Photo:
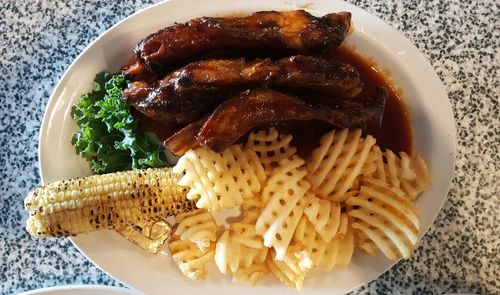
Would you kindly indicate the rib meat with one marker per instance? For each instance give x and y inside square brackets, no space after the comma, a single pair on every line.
[235,117]
[186,94]
[184,139]
[264,33]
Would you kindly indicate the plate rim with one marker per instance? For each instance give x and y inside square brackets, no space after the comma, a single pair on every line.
[430,70]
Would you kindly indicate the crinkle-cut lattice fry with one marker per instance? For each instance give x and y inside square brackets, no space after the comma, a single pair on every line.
[408,173]
[251,275]
[189,258]
[422,181]
[232,255]
[283,196]
[362,241]
[318,250]
[309,240]
[220,180]
[335,164]
[271,147]
[325,216]
[386,216]
[292,269]
[198,227]
[244,233]
[338,252]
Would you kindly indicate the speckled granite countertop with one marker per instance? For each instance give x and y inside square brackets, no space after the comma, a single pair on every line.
[39,39]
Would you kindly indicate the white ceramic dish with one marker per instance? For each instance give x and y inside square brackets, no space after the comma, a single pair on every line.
[424,94]
[81,290]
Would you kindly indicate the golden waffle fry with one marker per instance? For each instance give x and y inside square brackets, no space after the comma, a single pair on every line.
[197,226]
[148,235]
[386,216]
[362,241]
[226,253]
[324,215]
[271,147]
[231,255]
[222,180]
[240,246]
[190,259]
[309,240]
[251,275]
[422,180]
[338,253]
[319,251]
[335,164]
[292,269]
[244,233]
[405,172]
[283,191]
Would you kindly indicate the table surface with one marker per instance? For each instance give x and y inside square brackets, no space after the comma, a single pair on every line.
[460,253]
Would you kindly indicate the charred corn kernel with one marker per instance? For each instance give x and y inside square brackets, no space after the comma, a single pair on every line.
[85,204]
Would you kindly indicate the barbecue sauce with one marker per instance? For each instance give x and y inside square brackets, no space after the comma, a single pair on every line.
[395,132]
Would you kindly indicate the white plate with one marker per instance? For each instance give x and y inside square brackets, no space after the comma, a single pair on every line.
[426,99]
[81,290]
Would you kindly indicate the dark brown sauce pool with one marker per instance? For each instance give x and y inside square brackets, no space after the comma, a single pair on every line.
[395,132]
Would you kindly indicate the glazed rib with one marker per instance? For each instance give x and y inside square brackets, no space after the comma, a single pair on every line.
[184,139]
[185,94]
[238,115]
[264,33]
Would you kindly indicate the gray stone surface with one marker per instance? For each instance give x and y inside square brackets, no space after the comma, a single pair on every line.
[460,253]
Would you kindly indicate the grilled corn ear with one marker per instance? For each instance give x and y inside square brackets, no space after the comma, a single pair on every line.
[106,201]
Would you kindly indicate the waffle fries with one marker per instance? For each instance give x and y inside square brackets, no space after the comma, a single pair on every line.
[198,227]
[271,147]
[190,259]
[220,180]
[337,162]
[298,214]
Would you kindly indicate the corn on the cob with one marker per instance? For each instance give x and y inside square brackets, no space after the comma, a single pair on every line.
[80,205]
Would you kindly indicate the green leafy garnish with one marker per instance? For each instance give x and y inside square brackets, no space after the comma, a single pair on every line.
[109,138]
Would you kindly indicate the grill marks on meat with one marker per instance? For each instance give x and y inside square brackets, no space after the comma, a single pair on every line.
[265,33]
[186,94]
[233,96]
[238,115]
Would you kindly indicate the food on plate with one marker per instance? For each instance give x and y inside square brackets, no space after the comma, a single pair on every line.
[106,201]
[197,226]
[292,269]
[325,216]
[314,152]
[387,217]
[338,161]
[108,135]
[238,115]
[220,180]
[301,229]
[271,147]
[184,139]
[283,198]
[268,33]
[149,235]
[405,172]
[186,94]
[190,259]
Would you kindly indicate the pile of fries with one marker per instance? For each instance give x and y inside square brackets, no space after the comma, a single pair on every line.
[297,213]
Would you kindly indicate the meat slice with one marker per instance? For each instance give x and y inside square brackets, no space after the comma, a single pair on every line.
[264,33]
[184,139]
[235,117]
[186,94]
